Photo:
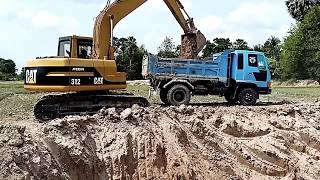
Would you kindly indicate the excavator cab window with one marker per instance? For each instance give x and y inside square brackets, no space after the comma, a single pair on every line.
[84,49]
[64,48]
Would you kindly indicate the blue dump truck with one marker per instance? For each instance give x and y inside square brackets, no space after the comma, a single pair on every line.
[238,75]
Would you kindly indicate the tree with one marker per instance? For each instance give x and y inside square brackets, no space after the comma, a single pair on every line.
[272,48]
[221,44]
[299,8]
[258,47]
[22,74]
[129,56]
[300,57]
[178,51]
[7,69]
[240,44]
[217,45]
[168,49]
[208,50]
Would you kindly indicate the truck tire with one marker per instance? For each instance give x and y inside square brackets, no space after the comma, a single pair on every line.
[164,96]
[248,97]
[179,94]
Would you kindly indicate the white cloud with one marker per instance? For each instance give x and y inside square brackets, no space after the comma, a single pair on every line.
[264,15]
[254,22]
[187,4]
[44,19]
[210,23]
[40,19]
[5,7]
[159,5]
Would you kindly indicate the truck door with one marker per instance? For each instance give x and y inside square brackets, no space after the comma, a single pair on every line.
[257,68]
[239,72]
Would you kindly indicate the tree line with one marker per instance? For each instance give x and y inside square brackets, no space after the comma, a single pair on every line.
[297,56]
[7,69]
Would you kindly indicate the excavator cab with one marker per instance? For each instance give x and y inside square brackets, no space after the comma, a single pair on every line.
[75,47]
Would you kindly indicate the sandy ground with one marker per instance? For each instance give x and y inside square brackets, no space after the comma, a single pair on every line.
[186,142]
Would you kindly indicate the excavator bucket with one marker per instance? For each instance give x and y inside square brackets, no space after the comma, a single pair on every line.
[201,41]
[192,44]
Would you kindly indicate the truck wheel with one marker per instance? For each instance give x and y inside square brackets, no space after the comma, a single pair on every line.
[163,96]
[248,97]
[179,94]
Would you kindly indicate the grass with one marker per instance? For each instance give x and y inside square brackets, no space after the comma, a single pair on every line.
[299,91]
[297,94]
[18,103]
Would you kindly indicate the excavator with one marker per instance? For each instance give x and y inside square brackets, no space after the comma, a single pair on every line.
[84,76]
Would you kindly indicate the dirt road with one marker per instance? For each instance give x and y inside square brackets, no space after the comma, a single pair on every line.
[186,142]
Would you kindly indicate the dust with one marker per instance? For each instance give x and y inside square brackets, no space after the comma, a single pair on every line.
[186,142]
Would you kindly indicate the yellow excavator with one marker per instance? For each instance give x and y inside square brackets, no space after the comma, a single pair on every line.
[85,68]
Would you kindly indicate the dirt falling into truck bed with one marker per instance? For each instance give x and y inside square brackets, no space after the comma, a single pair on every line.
[186,142]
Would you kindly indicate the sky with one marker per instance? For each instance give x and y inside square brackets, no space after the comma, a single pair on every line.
[31,28]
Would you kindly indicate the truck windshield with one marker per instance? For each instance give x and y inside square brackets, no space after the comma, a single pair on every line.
[262,65]
[64,48]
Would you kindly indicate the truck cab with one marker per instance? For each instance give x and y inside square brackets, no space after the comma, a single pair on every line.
[251,67]
[249,71]
[238,75]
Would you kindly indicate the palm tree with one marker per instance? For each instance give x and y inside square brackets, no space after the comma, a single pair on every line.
[299,8]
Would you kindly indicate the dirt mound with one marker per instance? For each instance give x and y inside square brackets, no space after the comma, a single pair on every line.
[267,142]
[298,83]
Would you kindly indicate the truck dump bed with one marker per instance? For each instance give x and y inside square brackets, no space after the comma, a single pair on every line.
[214,68]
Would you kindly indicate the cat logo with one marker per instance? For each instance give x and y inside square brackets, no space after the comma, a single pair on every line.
[31,76]
[98,80]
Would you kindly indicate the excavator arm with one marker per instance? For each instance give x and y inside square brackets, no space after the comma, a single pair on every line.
[177,10]
[192,41]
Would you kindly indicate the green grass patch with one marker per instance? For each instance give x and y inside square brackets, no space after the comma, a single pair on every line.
[296,94]
[299,91]
[11,87]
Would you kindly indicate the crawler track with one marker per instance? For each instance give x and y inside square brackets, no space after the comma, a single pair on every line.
[58,106]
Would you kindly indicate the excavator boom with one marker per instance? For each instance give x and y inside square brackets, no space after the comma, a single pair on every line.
[192,41]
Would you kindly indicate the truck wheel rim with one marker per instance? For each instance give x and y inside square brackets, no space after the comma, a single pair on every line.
[179,96]
[248,97]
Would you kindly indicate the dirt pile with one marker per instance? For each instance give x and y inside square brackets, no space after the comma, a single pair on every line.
[298,83]
[267,142]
